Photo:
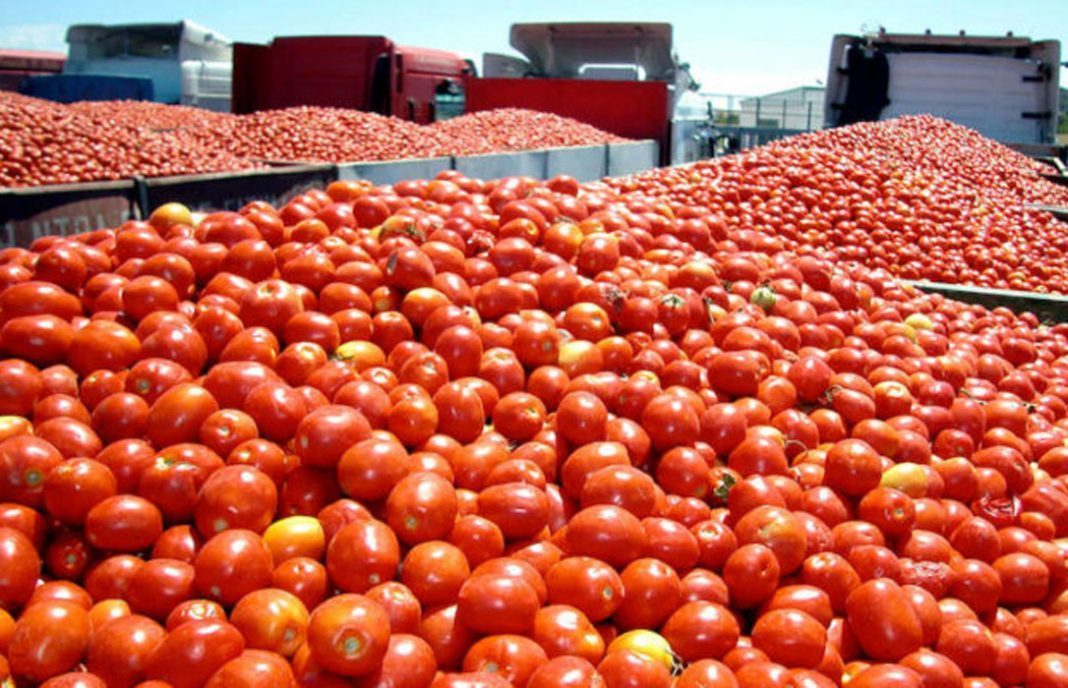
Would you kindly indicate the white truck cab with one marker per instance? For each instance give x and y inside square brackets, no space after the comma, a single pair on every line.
[187,63]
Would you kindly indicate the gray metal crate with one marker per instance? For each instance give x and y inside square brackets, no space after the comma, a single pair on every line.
[497,165]
[631,157]
[393,171]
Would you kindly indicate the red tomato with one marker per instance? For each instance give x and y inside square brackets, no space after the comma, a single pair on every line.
[26,462]
[701,630]
[349,635]
[751,573]
[565,672]
[652,593]
[271,619]
[103,345]
[513,657]
[193,651]
[123,523]
[790,637]
[20,566]
[706,673]
[178,414]
[50,638]
[232,564]
[434,572]
[361,555]
[623,669]
[885,624]
[253,667]
[490,603]
[420,507]
[119,651]
[606,532]
[409,661]
[235,497]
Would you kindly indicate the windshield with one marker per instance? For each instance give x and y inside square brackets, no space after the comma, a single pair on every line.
[148,41]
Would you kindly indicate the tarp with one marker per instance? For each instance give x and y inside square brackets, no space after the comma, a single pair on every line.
[71,88]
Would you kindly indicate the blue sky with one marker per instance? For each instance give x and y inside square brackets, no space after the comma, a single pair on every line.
[735,46]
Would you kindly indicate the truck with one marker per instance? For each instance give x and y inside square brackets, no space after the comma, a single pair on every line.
[1005,87]
[17,65]
[623,77]
[369,73]
[178,63]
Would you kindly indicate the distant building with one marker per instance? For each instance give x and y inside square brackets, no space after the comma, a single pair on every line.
[798,109]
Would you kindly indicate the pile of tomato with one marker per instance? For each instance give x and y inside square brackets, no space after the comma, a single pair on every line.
[321,134]
[45,143]
[48,143]
[159,116]
[516,129]
[919,196]
[465,434]
[334,135]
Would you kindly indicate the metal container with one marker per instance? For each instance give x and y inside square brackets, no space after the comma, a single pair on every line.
[393,171]
[584,163]
[497,165]
[628,158]
[27,214]
[232,190]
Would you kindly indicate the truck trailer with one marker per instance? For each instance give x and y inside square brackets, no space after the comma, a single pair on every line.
[1005,87]
[622,77]
[370,73]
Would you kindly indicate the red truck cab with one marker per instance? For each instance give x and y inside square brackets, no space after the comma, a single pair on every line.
[369,73]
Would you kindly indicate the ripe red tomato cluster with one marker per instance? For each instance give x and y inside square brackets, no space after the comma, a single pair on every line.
[325,134]
[47,143]
[455,433]
[140,113]
[335,135]
[514,129]
[918,196]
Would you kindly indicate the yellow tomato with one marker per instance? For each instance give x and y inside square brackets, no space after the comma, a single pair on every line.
[910,478]
[107,610]
[919,321]
[295,536]
[647,643]
[12,426]
[362,355]
[170,214]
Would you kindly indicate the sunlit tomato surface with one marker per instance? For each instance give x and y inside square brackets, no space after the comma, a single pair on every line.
[683,428]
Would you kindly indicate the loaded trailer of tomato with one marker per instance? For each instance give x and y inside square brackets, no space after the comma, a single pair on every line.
[644,432]
[1005,87]
[105,162]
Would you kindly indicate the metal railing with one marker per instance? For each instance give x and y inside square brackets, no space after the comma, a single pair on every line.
[768,112]
[741,122]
